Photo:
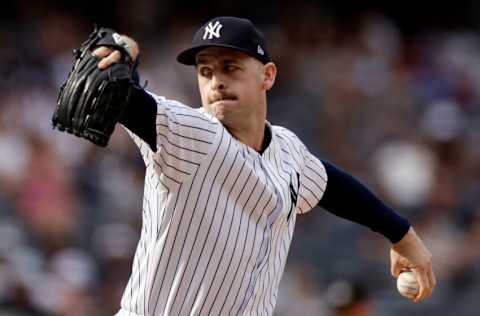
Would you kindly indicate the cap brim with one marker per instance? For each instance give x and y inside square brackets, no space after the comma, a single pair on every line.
[188,56]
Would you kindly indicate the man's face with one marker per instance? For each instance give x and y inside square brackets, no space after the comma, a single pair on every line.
[232,86]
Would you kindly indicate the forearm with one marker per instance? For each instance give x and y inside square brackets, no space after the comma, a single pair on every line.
[140,116]
[348,198]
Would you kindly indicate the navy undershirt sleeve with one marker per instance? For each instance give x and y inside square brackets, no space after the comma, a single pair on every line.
[348,198]
[140,116]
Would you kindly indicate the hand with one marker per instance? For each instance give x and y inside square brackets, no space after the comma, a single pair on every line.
[110,56]
[410,254]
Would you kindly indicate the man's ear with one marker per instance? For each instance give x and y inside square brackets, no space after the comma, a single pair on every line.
[269,74]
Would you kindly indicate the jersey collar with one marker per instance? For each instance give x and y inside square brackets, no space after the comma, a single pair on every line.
[267,137]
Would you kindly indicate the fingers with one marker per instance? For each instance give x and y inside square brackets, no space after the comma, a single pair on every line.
[410,253]
[427,281]
[425,288]
[423,273]
[109,60]
[431,283]
[102,51]
[107,55]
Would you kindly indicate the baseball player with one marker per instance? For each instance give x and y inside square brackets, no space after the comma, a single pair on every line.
[223,187]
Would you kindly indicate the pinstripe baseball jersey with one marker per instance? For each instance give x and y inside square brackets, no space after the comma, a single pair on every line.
[218,217]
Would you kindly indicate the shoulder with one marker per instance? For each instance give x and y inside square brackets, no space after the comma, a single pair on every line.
[291,147]
[286,137]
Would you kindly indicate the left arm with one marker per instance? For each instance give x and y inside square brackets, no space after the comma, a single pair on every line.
[348,198]
[345,195]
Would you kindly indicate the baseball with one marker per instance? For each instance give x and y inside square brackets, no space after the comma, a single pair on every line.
[407,285]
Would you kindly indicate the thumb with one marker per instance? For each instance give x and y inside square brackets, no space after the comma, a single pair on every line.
[395,270]
[395,266]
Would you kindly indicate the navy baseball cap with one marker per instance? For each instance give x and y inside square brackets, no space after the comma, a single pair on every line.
[230,32]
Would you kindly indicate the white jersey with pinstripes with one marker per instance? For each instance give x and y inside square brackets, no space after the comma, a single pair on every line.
[218,217]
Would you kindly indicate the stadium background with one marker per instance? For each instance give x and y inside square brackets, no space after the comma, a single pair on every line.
[390,92]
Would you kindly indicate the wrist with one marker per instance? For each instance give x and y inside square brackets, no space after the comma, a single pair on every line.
[409,237]
[412,247]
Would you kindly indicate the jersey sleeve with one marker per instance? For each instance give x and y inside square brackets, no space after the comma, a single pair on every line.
[309,170]
[184,137]
[313,181]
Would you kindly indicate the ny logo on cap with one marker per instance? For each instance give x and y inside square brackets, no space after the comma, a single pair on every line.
[212,30]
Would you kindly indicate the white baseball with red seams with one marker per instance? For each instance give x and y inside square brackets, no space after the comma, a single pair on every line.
[407,284]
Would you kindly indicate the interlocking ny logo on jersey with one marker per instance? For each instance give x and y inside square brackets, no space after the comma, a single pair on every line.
[293,194]
[212,30]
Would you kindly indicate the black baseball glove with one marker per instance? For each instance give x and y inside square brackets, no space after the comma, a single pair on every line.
[92,100]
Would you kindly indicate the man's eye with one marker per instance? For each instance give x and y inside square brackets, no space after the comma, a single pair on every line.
[205,72]
[230,68]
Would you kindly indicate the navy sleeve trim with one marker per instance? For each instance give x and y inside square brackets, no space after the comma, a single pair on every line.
[140,116]
[348,198]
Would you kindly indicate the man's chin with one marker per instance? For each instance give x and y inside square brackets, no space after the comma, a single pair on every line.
[222,115]
[221,109]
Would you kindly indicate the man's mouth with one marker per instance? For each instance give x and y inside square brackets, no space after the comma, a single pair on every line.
[223,98]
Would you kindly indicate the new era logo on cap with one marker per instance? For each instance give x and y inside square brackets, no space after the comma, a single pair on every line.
[260,50]
[229,32]
[212,30]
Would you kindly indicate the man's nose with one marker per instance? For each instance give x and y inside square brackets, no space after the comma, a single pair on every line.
[218,83]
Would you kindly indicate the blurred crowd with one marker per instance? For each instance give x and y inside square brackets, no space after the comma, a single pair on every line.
[400,112]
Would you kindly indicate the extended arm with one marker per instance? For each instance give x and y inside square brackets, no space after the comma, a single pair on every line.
[348,198]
